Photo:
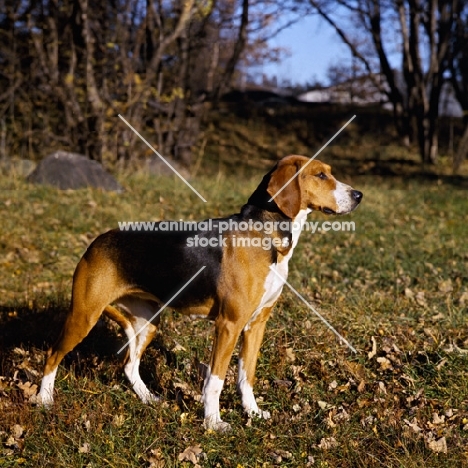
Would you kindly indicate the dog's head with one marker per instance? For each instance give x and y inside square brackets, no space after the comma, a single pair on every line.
[310,185]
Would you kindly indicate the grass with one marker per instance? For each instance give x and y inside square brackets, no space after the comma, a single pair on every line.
[394,288]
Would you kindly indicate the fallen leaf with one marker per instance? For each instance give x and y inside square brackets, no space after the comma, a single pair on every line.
[84,239]
[368,421]
[344,388]
[382,388]
[118,420]
[43,285]
[342,415]
[420,299]
[439,446]
[329,421]
[20,351]
[86,422]
[357,370]
[412,425]
[85,448]
[463,298]
[441,363]
[11,442]
[290,356]
[178,347]
[449,413]
[29,256]
[282,383]
[327,443]
[17,431]
[29,389]
[297,372]
[191,454]
[324,405]
[445,286]
[279,455]
[385,363]
[156,459]
[372,353]
[436,419]
[187,390]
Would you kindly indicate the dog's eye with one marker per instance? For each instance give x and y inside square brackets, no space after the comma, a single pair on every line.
[321,175]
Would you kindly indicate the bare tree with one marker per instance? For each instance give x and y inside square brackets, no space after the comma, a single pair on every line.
[423,28]
[69,67]
[76,64]
[458,64]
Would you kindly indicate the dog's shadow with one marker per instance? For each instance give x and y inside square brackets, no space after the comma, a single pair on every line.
[31,329]
[28,326]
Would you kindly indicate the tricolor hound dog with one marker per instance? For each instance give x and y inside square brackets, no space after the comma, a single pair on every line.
[129,275]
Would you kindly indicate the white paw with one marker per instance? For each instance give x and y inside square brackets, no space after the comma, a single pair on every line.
[143,392]
[258,413]
[215,424]
[264,414]
[150,398]
[46,401]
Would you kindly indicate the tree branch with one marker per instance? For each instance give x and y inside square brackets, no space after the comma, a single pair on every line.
[238,49]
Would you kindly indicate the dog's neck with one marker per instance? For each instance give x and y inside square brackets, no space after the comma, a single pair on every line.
[261,198]
[261,208]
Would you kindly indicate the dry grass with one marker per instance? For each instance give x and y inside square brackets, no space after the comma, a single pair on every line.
[396,288]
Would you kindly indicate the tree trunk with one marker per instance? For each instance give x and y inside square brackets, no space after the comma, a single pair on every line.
[432,138]
[424,35]
[462,151]
[236,54]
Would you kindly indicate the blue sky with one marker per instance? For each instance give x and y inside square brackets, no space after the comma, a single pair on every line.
[313,46]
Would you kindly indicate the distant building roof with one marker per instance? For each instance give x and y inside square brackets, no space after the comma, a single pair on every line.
[362,90]
[359,90]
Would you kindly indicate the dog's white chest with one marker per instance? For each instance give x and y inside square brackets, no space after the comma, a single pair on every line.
[278,273]
[274,283]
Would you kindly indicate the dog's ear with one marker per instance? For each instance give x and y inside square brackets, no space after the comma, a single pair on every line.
[289,199]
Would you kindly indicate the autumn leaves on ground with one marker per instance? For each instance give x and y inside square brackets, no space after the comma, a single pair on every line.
[396,288]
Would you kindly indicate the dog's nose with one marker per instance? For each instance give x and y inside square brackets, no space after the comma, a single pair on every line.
[357,195]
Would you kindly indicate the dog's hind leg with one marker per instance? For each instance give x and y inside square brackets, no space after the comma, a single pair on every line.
[140,331]
[88,303]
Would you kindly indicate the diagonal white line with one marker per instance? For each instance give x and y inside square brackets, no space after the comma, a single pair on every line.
[344,340]
[157,154]
[313,157]
[162,308]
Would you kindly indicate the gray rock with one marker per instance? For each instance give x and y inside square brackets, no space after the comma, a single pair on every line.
[73,171]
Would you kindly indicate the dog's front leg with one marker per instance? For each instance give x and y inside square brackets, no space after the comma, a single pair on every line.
[252,337]
[226,334]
